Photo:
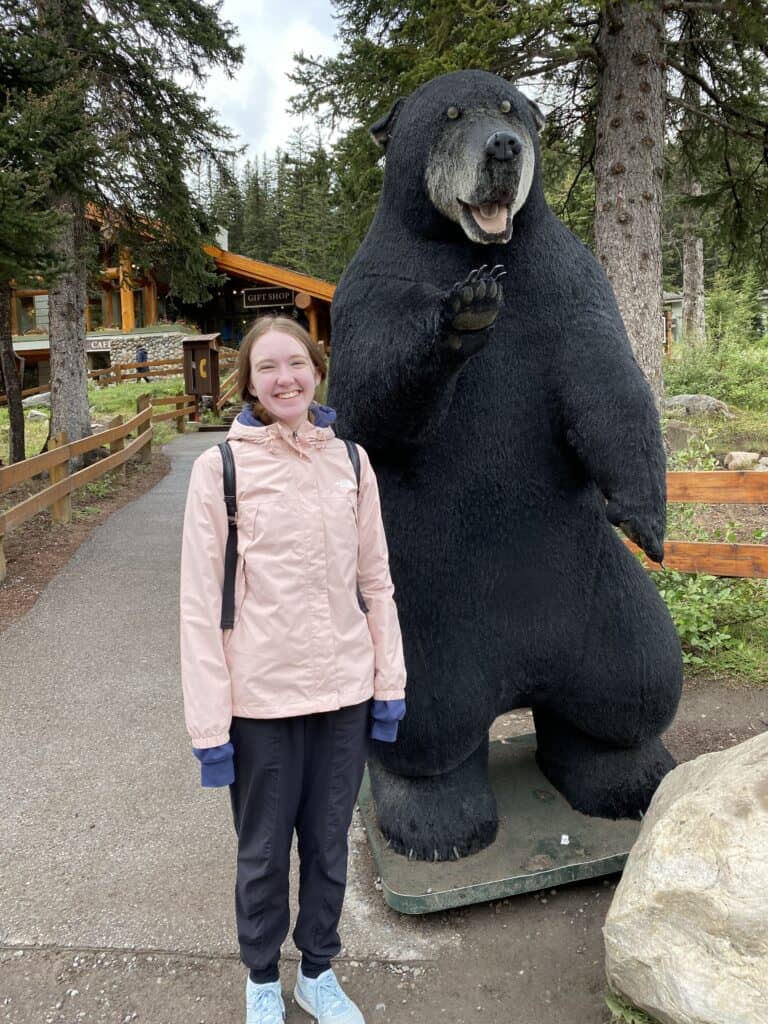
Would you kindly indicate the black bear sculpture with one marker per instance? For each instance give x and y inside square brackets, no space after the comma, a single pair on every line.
[479,356]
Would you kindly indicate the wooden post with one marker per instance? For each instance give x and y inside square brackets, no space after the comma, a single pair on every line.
[118,373]
[127,314]
[150,302]
[312,317]
[61,510]
[3,567]
[180,425]
[117,446]
[106,305]
[143,402]
[14,313]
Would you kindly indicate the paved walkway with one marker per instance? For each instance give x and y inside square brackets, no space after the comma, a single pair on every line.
[110,850]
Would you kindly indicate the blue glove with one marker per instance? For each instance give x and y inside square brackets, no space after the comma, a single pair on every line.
[217,765]
[385,715]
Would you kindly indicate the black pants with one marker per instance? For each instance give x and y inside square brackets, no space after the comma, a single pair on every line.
[299,773]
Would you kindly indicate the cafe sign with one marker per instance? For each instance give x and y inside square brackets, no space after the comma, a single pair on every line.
[258,298]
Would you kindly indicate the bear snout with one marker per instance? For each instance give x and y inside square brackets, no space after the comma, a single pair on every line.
[503,146]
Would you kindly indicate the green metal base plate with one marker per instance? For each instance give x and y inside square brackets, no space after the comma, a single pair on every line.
[542,842]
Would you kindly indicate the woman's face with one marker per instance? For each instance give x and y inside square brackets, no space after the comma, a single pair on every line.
[283,377]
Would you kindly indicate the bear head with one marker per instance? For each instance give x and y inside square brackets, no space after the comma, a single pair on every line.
[468,141]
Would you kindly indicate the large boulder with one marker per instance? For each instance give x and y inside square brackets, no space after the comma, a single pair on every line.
[686,936]
[696,405]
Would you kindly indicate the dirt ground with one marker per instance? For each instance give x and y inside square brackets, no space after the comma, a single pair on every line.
[533,959]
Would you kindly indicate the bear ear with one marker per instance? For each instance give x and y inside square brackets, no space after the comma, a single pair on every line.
[538,117]
[381,131]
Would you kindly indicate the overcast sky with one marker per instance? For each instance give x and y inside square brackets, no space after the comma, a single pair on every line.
[254,103]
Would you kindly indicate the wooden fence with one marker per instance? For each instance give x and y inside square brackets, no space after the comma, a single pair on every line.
[719,487]
[119,373]
[56,461]
[183,405]
[26,393]
[716,488]
[227,391]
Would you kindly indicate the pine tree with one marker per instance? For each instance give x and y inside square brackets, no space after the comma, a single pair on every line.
[28,227]
[138,132]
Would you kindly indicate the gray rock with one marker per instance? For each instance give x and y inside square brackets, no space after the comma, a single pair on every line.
[696,405]
[678,436]
[686,936]
[44,399]
[741,460]
[35,414]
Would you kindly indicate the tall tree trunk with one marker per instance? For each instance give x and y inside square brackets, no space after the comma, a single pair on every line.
[66,329]
[629,172]
[10,376]
[693,244]
[693,271]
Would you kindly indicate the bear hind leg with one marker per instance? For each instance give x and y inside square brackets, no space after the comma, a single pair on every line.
[599,778]
[437,817]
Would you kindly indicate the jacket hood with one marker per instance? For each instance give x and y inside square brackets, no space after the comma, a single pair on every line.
[249,428]
[324,416]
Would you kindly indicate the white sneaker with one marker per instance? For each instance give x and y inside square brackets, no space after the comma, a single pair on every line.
[264,1003]
[324,999]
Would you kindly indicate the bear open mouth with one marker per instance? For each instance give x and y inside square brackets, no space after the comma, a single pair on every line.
[492,216]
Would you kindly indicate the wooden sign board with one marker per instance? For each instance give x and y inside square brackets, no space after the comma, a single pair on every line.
[260,298]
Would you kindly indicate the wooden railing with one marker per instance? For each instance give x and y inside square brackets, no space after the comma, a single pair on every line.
[62,483]
[26,393]
[716,488]
[720,487]
[228,390]
[183,405]
[119,373]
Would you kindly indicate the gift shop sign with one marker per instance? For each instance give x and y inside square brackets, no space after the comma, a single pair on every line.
[257,298]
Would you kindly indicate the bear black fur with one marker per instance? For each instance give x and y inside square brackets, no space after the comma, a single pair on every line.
[510,427]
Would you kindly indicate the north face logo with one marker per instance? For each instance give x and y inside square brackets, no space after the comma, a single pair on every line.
[345,485]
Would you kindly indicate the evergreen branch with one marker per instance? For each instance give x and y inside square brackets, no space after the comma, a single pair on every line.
[719,122]
[691,7]
[718,100]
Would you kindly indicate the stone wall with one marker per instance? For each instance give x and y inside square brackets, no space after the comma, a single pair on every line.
[122,347]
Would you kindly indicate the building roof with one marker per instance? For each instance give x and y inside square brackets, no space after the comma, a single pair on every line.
[255,270]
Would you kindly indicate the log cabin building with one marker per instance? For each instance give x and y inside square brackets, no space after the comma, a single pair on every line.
[128,299]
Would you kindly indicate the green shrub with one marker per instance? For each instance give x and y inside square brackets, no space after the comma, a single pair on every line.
[712,614]
[734,374]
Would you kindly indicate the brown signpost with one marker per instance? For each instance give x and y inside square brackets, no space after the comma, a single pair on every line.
[201,365]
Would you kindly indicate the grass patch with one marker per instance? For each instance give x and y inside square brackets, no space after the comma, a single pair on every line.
[747,431]
[624,1012]
[35,433]
[86,512]
[120,399]
[105,403]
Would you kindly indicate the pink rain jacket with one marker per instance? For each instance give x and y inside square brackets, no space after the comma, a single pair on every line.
[306,540]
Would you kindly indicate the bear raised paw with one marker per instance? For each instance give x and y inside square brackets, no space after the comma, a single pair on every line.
[510,428]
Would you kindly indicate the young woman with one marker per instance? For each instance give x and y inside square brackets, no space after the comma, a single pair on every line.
[280,707]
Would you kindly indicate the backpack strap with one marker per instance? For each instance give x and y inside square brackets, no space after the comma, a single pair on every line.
[354,458]
[230,557]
